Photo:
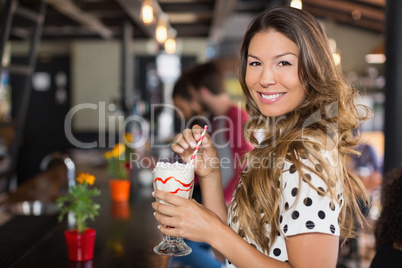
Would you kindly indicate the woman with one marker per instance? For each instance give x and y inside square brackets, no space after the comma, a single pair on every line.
[296,196]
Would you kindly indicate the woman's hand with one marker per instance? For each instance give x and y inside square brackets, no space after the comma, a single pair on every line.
[206,161]
[190,219]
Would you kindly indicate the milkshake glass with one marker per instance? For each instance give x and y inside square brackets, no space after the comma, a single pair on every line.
[177,179]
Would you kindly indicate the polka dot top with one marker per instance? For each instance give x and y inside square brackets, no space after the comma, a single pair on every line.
[302,210]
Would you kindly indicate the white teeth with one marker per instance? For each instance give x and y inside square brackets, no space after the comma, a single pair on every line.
[270,97]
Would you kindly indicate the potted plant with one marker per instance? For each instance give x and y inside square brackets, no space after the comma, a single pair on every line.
[118,167]
[81,240]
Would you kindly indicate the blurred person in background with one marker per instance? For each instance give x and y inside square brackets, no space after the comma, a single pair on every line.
[388,230]
[366,167]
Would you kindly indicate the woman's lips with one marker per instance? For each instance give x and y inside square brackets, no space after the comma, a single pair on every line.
[270,97]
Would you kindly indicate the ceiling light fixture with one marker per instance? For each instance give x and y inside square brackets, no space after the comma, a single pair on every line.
[170,44]
[147,12]
[161,29]
[296,4]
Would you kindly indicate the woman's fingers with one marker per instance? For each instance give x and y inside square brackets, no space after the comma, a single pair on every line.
[189,220]
[189,137]
[206,160]
[192,136]
[169,198]
[185,143]
[180,145]
[165,220]
[169,214]
[197,130]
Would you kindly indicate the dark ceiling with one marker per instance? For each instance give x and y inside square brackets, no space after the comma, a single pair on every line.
[103,19]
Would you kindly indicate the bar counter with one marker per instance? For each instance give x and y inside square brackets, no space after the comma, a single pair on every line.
[125,233]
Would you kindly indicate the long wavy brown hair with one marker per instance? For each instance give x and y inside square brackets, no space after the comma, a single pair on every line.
[324,121]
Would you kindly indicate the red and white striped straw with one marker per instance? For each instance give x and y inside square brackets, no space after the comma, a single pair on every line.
[198,146]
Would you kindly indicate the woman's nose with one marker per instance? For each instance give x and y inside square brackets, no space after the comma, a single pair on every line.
[267,77]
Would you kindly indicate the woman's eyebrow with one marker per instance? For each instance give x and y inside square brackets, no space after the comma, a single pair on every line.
[275,57]
[285,54]
[252,56]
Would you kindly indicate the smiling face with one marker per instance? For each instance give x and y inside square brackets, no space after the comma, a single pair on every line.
[272,73]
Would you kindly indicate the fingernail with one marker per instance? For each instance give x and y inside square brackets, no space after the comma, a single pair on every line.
[185,145]
[197,137]
[159,227]
[193,144]
[154,213]
[180,150]
[153,193]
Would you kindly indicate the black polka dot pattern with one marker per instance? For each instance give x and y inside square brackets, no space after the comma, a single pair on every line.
[308,177]
[321,191]
[305,206]
[310,225]
[292,169]
[277,252]
[295,215]
[321,214]
[294,191]
[307,201]
[318,167]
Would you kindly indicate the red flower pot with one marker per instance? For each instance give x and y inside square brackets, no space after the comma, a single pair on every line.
[119,189]
[80,247]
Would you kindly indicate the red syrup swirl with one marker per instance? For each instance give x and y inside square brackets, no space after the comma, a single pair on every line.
[178,189]
[169,178]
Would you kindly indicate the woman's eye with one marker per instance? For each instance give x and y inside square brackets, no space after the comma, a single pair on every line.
[254,63]
[284,63]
